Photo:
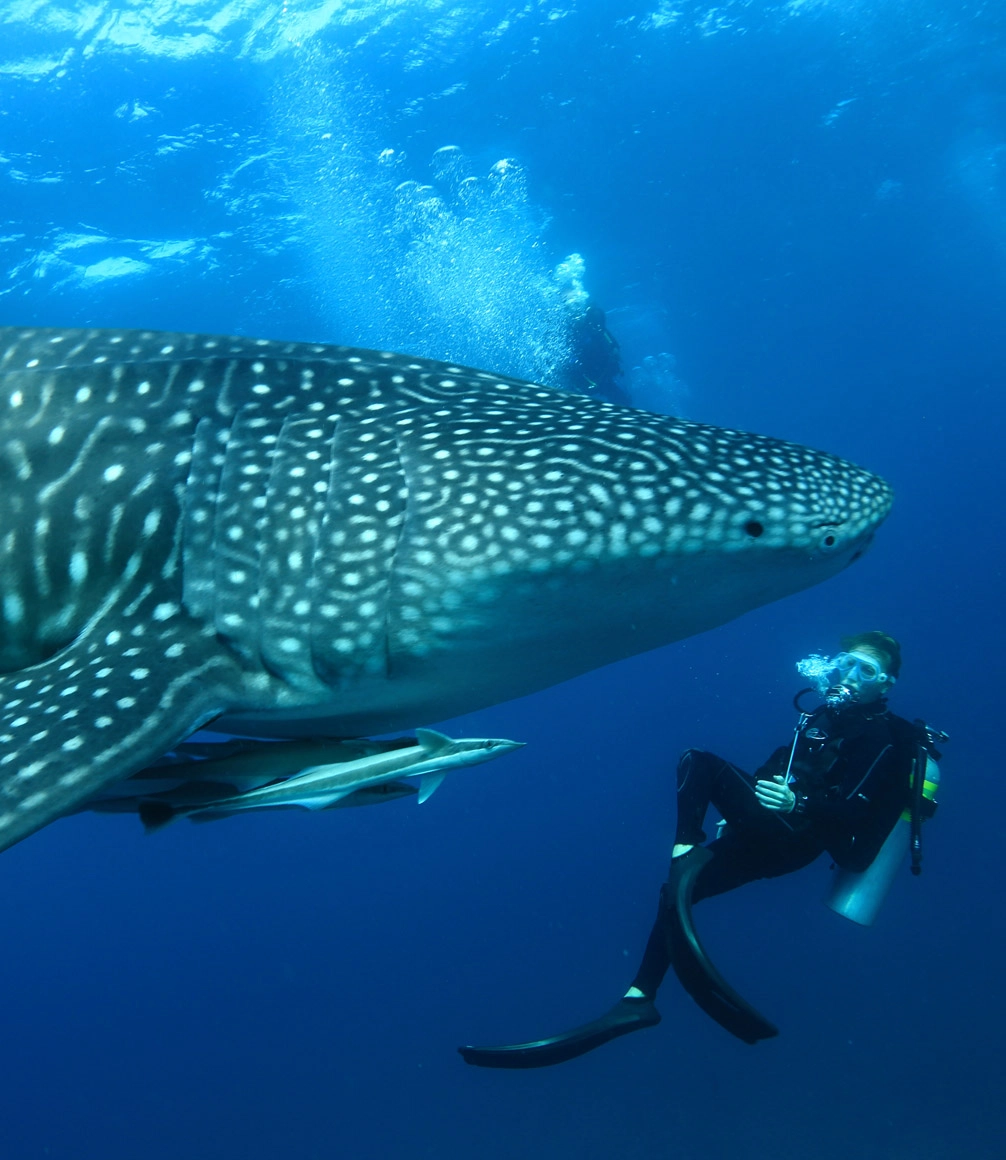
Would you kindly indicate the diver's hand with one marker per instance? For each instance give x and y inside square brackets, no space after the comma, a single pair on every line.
[775,794]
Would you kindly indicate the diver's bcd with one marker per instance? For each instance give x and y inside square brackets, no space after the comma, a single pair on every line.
[859,896]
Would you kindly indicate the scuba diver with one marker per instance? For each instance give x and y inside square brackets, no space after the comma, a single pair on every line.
[855,781]
[595,358]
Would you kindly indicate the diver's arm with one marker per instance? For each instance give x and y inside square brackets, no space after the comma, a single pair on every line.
[771,789]
[775,795]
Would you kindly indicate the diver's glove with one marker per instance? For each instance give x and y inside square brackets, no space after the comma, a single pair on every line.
[775,795]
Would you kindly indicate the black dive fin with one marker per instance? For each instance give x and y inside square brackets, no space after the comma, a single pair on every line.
[627,1015]
[693,966]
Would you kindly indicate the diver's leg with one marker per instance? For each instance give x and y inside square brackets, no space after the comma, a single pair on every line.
[724,865]
[731,866]
[702,779]
[738,861]
[699,777]
[655,962]
[635,1010]
[741,857]
[696,775]
[732,792]
[734,864]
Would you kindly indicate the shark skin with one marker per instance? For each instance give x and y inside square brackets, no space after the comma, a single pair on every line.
[294,539]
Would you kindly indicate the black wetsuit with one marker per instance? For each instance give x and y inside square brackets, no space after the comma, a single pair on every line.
[595,360]
[851,774]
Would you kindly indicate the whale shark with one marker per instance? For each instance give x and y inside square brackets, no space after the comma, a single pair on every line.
[301,540]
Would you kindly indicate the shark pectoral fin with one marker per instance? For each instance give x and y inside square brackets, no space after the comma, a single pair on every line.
[102,708]
[429,783]
[155,815]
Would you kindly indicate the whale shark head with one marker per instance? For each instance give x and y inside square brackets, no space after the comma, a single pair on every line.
[546,534]
[312,539]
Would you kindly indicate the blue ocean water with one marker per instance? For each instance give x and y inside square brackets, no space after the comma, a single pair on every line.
[794,215]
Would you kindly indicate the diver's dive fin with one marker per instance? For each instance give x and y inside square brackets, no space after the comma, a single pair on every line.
[693,966]
[627,1015]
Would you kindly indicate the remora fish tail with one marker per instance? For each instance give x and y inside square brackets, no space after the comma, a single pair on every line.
[318,540]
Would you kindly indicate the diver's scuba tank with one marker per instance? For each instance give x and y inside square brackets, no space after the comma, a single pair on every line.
[859,896]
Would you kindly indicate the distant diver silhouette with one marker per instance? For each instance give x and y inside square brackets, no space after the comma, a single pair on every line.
[594,365]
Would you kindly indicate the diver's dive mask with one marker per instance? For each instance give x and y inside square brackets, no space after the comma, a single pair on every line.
[848,677]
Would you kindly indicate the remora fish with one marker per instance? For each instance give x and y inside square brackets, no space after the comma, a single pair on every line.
[195,773]
[245,763]
[155,811]
[319,788]
[320,540]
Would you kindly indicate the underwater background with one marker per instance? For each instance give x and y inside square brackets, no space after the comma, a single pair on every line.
[794,216]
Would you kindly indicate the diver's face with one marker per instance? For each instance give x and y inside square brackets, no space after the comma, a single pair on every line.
[862,673]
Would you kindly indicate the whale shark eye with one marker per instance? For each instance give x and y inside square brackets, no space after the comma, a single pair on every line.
[754,528]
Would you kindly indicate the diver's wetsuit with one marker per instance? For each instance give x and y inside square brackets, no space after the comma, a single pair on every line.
[851,774]
[595,362]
